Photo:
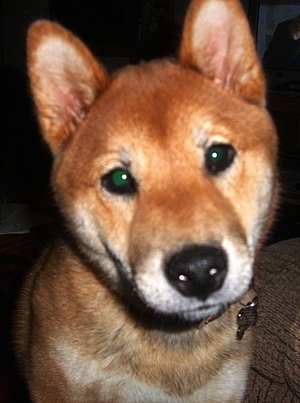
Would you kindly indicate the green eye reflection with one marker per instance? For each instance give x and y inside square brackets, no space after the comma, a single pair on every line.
[120,177]
[216,154]
[219,157]
[119,182]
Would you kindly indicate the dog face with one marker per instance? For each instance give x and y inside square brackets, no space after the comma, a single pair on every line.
[164,171]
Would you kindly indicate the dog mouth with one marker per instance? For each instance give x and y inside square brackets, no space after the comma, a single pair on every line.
[155,318]
[176,310]
[173,311]
[205,313]
[189,310]
[161,300]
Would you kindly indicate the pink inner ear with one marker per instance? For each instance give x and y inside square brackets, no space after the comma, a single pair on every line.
[62,99]
[216,57]
[65,80]
[217,41]
[213,40]
[71,102]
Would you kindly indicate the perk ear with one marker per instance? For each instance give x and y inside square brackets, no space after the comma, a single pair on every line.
[218,42]
[65,80]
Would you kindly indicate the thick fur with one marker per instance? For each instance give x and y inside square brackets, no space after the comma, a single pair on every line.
[98,319]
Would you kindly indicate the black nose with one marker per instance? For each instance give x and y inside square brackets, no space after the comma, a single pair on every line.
[197,270]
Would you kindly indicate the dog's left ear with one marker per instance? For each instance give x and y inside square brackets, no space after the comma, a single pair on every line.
[217,41]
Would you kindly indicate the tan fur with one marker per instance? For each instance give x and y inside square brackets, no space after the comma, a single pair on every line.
[98,320]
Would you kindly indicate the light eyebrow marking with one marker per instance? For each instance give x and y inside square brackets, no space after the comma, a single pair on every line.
[208,134]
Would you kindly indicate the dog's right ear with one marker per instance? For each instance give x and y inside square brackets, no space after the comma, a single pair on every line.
[65,80]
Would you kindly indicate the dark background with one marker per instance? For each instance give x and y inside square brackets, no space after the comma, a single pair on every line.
[118,32]
[115,30]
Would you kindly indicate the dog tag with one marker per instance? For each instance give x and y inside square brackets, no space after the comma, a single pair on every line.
[246,317]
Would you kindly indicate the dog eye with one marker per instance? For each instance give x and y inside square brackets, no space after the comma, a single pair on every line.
[120,182]
[219,157]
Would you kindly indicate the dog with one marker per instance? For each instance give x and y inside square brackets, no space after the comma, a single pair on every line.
[165,174]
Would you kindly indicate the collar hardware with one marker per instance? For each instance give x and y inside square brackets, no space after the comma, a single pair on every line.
[246,317]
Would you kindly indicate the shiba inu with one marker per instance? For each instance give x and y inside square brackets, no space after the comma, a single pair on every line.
[165,173]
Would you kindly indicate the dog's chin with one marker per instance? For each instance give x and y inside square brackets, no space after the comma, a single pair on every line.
[203,313]
[155,315]
[197,315]
[174,322]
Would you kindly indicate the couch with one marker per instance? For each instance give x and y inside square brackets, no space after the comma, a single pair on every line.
[275,371]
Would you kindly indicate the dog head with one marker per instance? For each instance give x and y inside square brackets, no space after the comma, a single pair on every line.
[164,171]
